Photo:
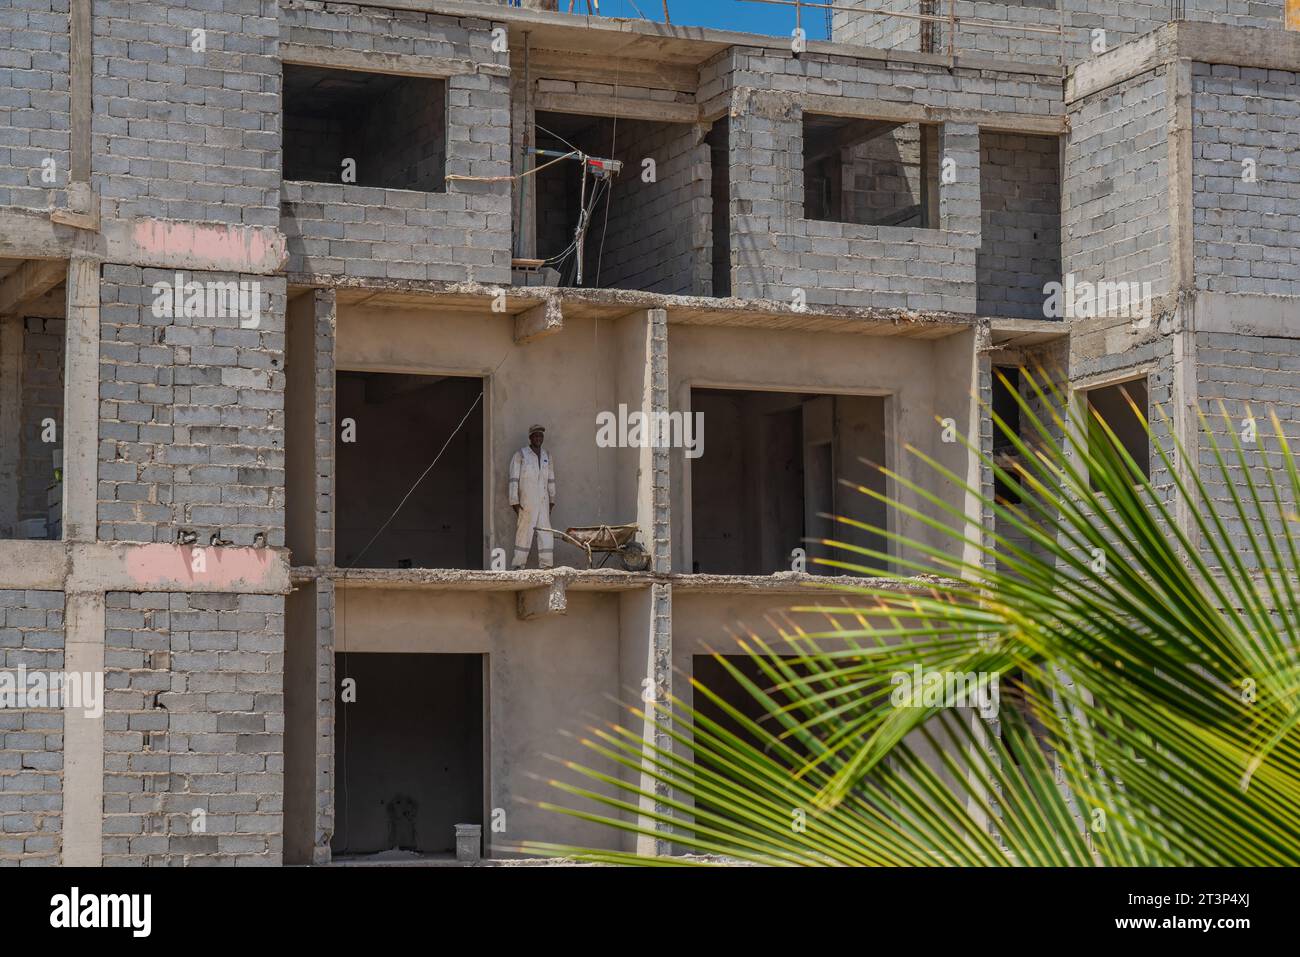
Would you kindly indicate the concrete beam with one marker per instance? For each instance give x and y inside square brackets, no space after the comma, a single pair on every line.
[624,108]
[218,247]
[375,61]
[36,565]
[542,602]
[165,244]
[1271,317]
[1187,40]
[539,321]
[29,282]
[851,107]
[132,566]
[125,566]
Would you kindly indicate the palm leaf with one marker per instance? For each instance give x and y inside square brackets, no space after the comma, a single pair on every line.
[1157,693]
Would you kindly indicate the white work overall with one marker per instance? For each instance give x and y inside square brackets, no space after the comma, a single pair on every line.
[532,488]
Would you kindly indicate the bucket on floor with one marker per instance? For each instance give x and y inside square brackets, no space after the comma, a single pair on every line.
[469,840]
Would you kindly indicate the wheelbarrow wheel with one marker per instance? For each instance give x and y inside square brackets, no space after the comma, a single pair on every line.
[634,557]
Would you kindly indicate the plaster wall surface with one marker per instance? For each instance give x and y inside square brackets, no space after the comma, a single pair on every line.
[561,381]
[547,676]
[920,382]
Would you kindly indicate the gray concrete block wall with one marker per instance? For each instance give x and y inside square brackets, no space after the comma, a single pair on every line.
[194,721]
[191,423]
[878,30]
[1121,20]
[463,234]
[34,102]
[1020,223]
[31,739]
[1245,233]
[366,232]
[182,134]
[1252,376]
[659,235]
[1115,222]
[775,251]
[408,32]
[894,80]
[42,399]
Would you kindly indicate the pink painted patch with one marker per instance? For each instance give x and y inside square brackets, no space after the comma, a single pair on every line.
[160,566]
[220,248]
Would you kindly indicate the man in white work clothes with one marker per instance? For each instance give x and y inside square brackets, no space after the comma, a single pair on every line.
[532,496]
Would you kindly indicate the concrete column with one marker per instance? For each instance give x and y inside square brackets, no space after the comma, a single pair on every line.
[1179,113]
[643,473]
[660,499]
[81,402]
[83,735]
[645,652]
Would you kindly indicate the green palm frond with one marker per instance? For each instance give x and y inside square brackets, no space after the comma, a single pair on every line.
[1149,672]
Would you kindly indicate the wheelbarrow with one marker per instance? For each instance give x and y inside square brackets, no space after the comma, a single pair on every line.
[608,540]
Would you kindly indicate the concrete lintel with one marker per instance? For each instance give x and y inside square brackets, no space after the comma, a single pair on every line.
[808,586]
[538,322]
[1264,49]
[1025,332]
[31,234]
[166,244]
[125,566]
[622,107]
[1127,60]
[375,61]
[36,565]
[1271,317]
[478,579]
[857,108]
[542,602]
[216,247]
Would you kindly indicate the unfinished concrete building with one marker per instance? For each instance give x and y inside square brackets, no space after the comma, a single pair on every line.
[285,283]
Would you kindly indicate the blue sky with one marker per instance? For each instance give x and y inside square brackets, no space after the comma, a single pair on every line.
[723,14]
